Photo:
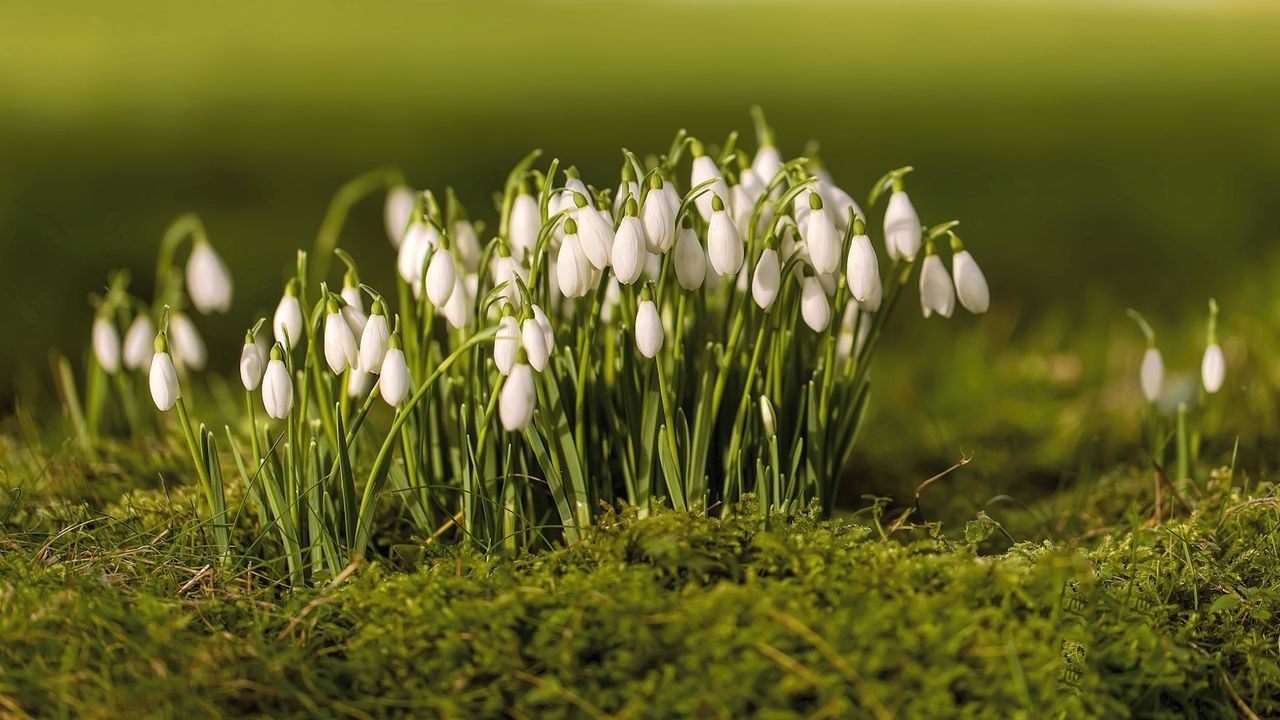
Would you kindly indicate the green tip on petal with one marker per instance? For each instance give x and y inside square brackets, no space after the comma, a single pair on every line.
[160,344]
[248,337]
[632,209]
[695,147]
[717,205]
[628,173]
[579,199]
[378,308]
[655,182]
[570,227]
[394,342]
[859,227]
[332,304]
[815,201]
[956,245]
[646,295]
[277,352]
[291,287]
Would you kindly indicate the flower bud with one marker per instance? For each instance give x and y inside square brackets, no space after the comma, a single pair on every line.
[971,284]
[595,233]
[724,244]
[901,228]
[517,399]
[936,292]
[767,418]
[767,278]
[506,344]
[188,347]
[572,272]
[534,342]
[288,319]
[460,306]
[277,387]
[690,260]
[164,381]
[649,332]
[208,280]
[251,366]
[628,254]
[1213,369]
[396,212]
[373,341]
[704,169]
[545,323]
[1151,374]
[814,307]
[394,380]
[659,218]
[525,223]
[106,344]
[862,269]
[821,237]
[440,276]
[339,342]
[137,343]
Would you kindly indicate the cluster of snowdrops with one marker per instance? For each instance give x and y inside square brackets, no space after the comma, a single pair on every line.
[700,329]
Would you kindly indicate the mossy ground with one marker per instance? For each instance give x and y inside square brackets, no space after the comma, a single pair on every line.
[110,608]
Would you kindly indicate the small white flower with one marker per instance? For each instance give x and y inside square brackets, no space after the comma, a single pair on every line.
[396,211]
[516,403]
[208,281]
[356,320]
[138,341]
[188,346]
[572,266]
[251,366]
[936,292]
[467,245]
[505,272]
[394,380]
[358,383]
[1213,369]
[595,232]
[649,332]
[741,204]
[1151,374]
[659,218]
[628,254]
[767,163]
[506,344]
[767,278]
[534,341]
[106,344]
[724,244]
[373,341]
[690,260]
[525,223]
[814,306]
[339,342]
[767,417]
[838,202]
[459,307]
[277,387]
[862,270]
[351,296]
[704,169]
[288,319]
[971,284]
[440,276]
[901,228]
[418,241]
[545,323]
[821,237]
[164,381]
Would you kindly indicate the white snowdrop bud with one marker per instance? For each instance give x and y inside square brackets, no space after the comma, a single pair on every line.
[571,265]
[467,245]
[649,332]
[418,241]
[1151,374]
[506,344]
[766,163]
[251,365]
[351,293]
[524,225]
[164,378]
[355,319]
[838,203]
[595,232]
[741,203]
[767,278]
[394,380]
[106,344]
[288,318]
[658,217]
[516,403]
[188,347]
[724,244]
[137,343]
[545,323]
[901,227]
[208,280]
[971,284]
[690,260]
[277,386]
[396,211]
[358,382]
[460,306]
[862,269]
[373,341]
[814,307]
[440,276]
[704,169]
[339,342]
[628,254]
[505,272]
[936,292]
[1213,369]
[767,418]
[534,342]
[821,237]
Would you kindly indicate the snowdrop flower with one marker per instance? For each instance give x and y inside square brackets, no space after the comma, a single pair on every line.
[658,217]
[838,204]
[505,272]
[741,203]
[545,323]
[628,253]
[821,237]
[251,365]
[418,241]
[767,161]
[525,223]
[767,417]
[814,307]
[188,347]
[459,307]
[396,212]
[394,380]
[1151,374]
[901,227]
[351,292]
[277,386]
[971,284]
[534,342]
[164,377]
[628,188]
[466,244]
[517,399]
[724,244]
[690,260]
[595,232]
[440,276]
[649,332]
[138,341]
[766,280]
[572,267]
[373,341]
[339,342]
[106,344]
[862,269]
[506,344]
[936,292]
[1213,367]
[208,281]
[286,324]
[704,169]
[358,382]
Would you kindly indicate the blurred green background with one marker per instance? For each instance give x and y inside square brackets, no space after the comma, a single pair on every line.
[1099,155]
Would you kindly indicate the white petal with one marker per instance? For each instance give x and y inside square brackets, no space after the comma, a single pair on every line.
[767,278]
[163,381]
[628,254]
[863,271]
[394,381]
[517,399]
[251,366]
[506,344]
[971,284]
[277,390]
[106,345]
[373,343]
[937,295]
[814,306]
[534,342]
[1151,374]
[901,227]
[649,332]
[690,260]
[1213,369]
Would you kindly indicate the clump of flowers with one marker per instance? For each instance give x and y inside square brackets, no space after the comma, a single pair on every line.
[603,343]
